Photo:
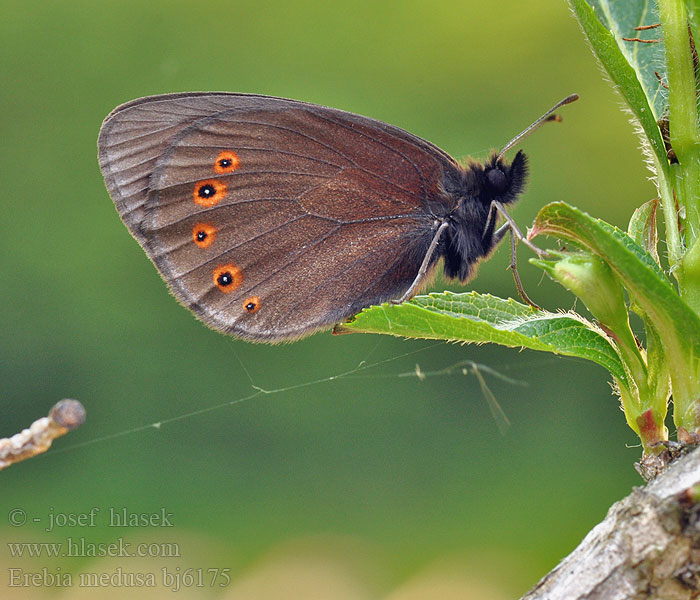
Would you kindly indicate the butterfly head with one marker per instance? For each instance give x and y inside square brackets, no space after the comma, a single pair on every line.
[501,181]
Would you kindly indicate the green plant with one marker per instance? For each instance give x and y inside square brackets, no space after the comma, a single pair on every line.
[613,272]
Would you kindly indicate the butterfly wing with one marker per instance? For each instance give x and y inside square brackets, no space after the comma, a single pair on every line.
[271,218]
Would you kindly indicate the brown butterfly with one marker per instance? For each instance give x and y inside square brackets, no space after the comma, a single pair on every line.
[273,218]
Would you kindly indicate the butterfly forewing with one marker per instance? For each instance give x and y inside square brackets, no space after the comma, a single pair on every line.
[271,218]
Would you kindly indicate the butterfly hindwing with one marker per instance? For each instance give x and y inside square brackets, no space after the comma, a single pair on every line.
[271,218]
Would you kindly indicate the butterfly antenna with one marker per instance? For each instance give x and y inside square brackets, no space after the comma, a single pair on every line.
[548,116]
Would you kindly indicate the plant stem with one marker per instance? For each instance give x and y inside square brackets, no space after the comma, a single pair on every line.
[682,100]
[685,140]
[673,236]
[690,278]
[632,357]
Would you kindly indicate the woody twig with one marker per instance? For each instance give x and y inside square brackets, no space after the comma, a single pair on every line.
[65,416]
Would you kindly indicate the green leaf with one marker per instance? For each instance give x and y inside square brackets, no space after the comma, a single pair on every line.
[481,318]
[593,281]
[646,59]
[622,74]
[678,326]
[658,370]
[616,247]
[642,227]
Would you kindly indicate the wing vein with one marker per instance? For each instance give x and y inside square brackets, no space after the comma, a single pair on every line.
[247,241]
[240,174]
[275,151]
[328,280]
[347,158]
[295,256]
[388,147]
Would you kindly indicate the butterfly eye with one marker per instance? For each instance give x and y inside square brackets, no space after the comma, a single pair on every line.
[227,278]
[252,304]
[208,193]
[203,235]
[226,162]
[497,180]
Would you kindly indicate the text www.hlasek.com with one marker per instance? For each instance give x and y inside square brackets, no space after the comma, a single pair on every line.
[81,548]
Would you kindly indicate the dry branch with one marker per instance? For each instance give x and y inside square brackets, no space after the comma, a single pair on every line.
[647,547]
[63,417]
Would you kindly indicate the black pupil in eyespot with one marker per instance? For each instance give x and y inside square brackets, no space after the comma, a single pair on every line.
[206,191]
[250,306]
[225,279]
[201,236]
[225,162]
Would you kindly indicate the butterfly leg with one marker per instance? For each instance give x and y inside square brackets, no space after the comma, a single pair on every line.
[516,275]
[516,230]
[500,233]
[515,234]
[424,265]
[491,225]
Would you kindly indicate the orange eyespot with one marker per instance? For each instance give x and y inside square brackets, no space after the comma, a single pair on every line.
[226,162]
[227,278]
[251,304]
[204,234]
[208,192]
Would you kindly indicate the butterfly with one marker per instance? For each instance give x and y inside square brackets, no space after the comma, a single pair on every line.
[272,218]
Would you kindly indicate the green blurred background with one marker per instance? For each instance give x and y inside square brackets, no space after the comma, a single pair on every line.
[373,485]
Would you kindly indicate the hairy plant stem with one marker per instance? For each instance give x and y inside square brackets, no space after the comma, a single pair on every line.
[685,140]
